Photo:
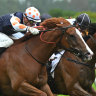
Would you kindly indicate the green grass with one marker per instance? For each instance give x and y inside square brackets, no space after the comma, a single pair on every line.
[94,86]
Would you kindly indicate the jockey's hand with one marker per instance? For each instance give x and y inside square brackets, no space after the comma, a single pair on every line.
[34,31]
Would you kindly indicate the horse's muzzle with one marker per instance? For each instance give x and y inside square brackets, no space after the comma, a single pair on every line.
[86,56]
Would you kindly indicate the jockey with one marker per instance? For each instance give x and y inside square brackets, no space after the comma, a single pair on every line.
[81,22]
[17,22]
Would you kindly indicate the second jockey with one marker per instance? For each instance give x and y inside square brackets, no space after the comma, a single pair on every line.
[82,23]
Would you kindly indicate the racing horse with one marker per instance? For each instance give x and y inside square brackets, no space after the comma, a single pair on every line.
[23,65]
[72,76]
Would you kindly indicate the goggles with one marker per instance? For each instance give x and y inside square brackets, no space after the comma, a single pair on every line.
[30,21]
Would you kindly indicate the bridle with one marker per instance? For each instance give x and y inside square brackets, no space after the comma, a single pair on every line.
[75,51]
[72,50]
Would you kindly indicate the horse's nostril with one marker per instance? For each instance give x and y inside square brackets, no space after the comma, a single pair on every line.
[88,56]
[87,53]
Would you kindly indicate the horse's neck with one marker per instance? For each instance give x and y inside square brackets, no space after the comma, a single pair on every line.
[39,49]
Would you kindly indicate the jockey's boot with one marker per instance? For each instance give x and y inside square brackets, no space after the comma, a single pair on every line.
[2,49]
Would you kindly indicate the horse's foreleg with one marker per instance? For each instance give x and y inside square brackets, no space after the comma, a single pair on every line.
[47,89]
[79,91]
[29,90]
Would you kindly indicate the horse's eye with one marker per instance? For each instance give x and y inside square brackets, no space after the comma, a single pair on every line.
[72,36]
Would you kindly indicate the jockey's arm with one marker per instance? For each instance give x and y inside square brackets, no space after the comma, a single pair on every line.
[15,21]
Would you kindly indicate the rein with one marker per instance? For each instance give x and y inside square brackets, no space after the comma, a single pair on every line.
[26,49]
[75,61]
[44,40]
[63,28]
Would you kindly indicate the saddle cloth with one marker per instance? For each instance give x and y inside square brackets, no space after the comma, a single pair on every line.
[5,41]
[55,60]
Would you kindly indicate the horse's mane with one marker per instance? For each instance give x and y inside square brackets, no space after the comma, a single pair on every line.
[52,22]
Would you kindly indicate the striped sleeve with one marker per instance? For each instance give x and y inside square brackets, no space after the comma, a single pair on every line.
[15,21]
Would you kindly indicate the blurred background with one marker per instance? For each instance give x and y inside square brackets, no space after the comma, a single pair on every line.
[56,8]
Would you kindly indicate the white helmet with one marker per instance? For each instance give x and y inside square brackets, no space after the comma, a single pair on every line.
[32,14]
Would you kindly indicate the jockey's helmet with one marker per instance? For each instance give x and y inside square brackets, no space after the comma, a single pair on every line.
[32,14]
[83,21]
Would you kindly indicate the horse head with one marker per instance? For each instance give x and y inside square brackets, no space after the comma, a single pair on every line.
[68,37]
[23,64]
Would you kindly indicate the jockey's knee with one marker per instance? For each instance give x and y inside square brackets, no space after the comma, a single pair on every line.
[5,41]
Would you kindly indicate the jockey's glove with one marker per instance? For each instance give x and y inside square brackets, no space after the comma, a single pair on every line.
[34,31]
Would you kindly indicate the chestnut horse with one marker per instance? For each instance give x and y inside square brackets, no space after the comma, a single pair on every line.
[72,76]
[23,65]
